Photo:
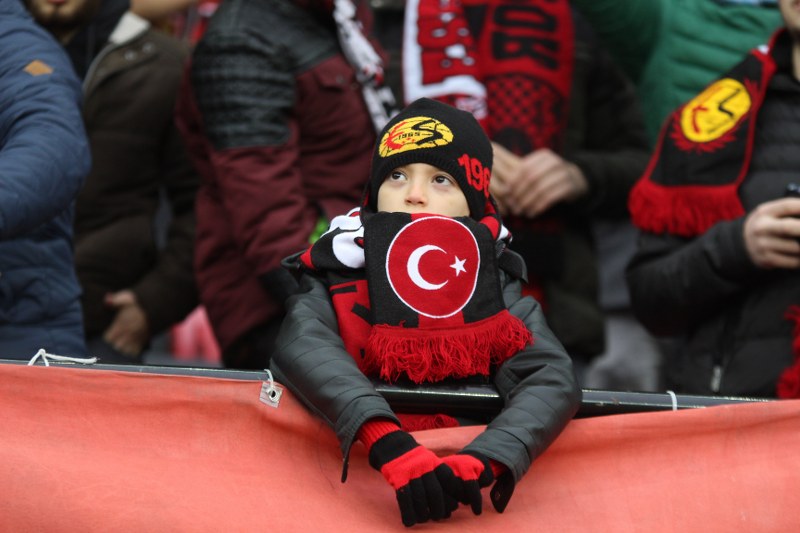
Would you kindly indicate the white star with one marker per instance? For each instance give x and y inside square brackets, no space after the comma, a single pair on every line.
[458,266]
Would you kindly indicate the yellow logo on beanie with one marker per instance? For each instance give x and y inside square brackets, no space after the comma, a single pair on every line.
[715,111]
[413,133]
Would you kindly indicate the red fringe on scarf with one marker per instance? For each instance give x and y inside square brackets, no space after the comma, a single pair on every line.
[789,382]
[449,352]
[412,422]
[686,210]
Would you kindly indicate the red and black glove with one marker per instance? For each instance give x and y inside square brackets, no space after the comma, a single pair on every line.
[424,485]
[474,472]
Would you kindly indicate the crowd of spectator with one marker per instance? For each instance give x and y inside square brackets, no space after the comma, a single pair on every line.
[642,150]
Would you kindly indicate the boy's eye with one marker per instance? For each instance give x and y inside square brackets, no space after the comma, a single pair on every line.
[396,176]
[442,180]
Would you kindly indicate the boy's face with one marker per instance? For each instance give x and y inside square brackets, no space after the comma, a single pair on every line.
[422,188]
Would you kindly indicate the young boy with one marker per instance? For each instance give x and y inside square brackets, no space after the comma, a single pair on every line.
[418,286]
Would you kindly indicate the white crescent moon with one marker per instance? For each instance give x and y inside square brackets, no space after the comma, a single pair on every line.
[413,268]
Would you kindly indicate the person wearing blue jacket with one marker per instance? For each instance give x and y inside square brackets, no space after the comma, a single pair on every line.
[44,156]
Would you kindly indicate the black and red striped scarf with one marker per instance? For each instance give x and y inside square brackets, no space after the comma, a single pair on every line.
[508,62]
[704,152]
[702,158]
[418,296]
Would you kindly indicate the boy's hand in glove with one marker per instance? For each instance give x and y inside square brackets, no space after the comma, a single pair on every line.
[474,472]
[423,483]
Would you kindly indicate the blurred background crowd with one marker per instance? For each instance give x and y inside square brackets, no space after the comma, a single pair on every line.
[644,151]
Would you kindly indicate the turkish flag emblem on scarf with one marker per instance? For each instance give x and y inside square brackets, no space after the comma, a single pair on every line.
[436,301]
[438,278]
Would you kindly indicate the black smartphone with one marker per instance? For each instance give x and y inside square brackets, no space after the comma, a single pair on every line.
[792,191]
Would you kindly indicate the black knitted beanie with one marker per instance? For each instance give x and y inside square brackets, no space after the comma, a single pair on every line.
[428,131]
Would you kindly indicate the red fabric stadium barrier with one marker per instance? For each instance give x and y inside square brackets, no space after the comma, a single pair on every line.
[95,450]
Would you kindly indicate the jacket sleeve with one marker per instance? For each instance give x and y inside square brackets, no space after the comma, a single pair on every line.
[675,282]
[614,151]
[44,153]
[539,389]
[311,360]
[629,28]
[172,278]
[538,384]
[244,88]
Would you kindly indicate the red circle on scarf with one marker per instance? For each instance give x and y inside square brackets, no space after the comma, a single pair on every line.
[432,266]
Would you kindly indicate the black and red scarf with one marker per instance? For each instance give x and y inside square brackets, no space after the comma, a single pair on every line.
[418,296]
[701,159]
[704,152]
[509,63]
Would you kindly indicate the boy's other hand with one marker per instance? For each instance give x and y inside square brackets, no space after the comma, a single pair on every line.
[474,472]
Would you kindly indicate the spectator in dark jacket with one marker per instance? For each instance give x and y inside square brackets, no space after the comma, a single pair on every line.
[719,261]
[44,156]
[278,127]
[134,220]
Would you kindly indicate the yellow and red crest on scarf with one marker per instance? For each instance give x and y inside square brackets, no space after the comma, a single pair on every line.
[715,111]
[414,133]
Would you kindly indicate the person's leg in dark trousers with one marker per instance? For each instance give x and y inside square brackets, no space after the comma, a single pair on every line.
[254,349]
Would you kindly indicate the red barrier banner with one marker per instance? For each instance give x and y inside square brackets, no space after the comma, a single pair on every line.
[97,450]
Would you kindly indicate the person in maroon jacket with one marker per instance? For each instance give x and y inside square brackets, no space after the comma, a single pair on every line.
[280,124]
